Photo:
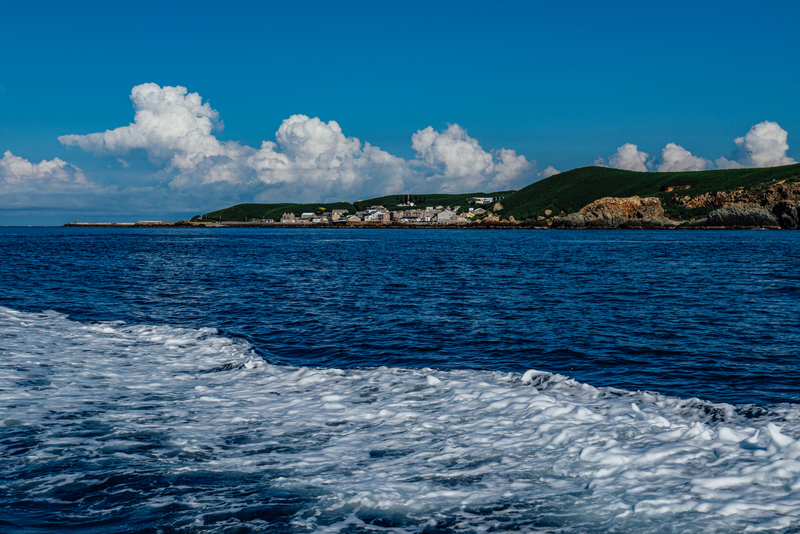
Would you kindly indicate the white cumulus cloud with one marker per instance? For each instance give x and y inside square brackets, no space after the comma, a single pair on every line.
[27,188]
[549,171]
[460,163]
[628,157]
[169,123]
[675,158]
[315,159]
[21,173]
[765,145]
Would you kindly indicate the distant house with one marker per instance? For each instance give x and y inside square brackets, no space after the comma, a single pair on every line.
[378,216]
[338,214]
[288,218]
[481,200]
[445,216]
[308,215]
[353,218]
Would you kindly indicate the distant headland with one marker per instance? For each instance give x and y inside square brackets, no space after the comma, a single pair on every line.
[588,197]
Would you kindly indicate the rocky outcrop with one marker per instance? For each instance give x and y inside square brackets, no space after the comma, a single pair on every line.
[768,197]
[777,206]
[611,212]
[771,207]
[742,215]
[787,213]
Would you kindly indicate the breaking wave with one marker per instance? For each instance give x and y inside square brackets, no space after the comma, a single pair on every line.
[116,427]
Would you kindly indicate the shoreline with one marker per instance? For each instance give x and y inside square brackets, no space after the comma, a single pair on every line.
[383,226]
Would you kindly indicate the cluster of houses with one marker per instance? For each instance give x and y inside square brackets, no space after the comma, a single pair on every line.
[379,214]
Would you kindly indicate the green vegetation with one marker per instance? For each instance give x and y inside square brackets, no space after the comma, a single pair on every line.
[392,202]
[570,191]
[561,194]
[247,212]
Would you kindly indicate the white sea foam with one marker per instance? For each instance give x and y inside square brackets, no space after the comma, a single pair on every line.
[380,448]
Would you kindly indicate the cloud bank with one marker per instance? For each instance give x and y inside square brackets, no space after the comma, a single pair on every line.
[18,174]
[765,145]
[309,160]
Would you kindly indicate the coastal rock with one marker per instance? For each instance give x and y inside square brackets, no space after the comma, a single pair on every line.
[763,197]
[742,216]
[611,212]
[787,213]
[713,200]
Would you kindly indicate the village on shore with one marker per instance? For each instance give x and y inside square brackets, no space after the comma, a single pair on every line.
[480,208]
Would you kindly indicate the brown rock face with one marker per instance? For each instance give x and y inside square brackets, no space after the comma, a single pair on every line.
[610,212]
[766,197]
[771,207]
[676,187]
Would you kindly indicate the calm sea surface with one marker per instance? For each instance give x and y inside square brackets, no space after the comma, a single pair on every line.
[364,380]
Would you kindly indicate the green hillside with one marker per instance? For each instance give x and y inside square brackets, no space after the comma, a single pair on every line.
[246,212]
[566,192]
[392,202]
[570,191]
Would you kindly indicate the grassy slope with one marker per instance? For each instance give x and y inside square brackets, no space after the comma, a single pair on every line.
[572,190]
[272,211]
[391,202]
[567,192]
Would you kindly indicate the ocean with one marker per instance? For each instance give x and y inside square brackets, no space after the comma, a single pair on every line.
[408,381]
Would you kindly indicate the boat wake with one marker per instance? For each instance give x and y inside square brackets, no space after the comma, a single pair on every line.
[119,427]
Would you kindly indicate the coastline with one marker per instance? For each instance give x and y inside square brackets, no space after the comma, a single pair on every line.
[391,226]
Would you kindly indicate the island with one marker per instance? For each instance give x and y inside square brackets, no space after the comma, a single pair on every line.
[584,198]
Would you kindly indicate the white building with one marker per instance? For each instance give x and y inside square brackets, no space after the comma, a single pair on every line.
[445,216]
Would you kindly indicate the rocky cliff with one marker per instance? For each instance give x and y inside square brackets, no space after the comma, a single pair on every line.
[611,212]
[777,206]
[768,197]
[741,215]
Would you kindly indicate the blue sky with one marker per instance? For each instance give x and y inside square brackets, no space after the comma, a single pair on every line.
[529,86]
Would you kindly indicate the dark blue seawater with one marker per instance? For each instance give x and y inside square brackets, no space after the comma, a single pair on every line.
[714,315]
[241,380]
